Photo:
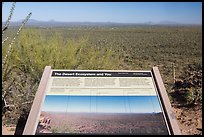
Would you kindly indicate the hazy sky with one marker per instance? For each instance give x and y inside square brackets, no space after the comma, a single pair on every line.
[124,12]
[102,104]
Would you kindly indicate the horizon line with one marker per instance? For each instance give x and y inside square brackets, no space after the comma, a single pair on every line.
[114,22]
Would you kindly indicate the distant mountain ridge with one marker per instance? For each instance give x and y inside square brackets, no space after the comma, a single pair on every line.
[53,23]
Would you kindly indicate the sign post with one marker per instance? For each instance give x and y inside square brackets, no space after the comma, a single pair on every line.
[101,102]
[166,102]
[37,103]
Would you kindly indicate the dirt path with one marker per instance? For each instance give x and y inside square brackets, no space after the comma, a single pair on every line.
[189,120]
[8,130]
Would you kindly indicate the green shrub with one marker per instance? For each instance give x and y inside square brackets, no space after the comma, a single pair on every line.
[189,88]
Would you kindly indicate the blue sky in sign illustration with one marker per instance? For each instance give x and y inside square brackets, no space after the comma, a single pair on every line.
[120,12]
[101,104]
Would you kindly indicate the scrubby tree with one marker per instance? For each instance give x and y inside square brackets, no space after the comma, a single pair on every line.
[9,94]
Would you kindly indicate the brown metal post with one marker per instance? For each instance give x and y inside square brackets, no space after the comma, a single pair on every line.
[32,122]
[171,119]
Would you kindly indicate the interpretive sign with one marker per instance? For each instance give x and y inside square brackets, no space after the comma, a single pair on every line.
[101,102]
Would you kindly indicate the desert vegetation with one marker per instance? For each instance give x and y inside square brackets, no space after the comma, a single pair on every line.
[130,48]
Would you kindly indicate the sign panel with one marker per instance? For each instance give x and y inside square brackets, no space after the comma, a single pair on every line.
[101,102]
